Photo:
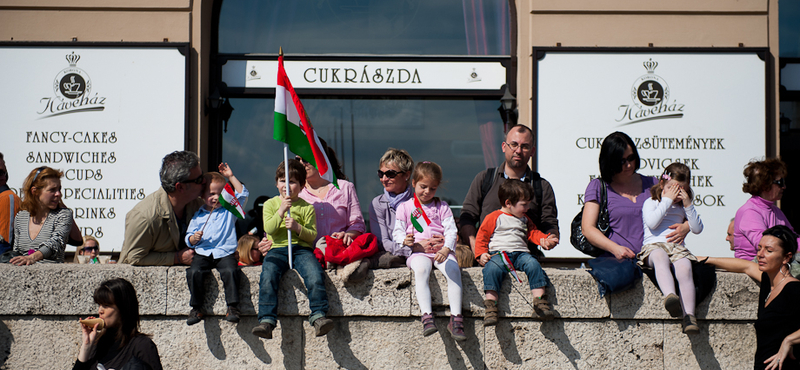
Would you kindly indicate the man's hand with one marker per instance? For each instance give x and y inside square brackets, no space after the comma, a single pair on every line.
[184,256]
[549,242]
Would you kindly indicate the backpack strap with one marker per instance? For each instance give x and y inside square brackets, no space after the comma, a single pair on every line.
[487,183]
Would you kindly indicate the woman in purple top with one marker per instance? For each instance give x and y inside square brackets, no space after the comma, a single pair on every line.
[627,190]
[766,181]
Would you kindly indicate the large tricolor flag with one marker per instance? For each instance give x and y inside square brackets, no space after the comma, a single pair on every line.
[418,217]
[293,127]
[228,201]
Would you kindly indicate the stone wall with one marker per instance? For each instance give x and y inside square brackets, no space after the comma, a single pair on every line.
[377,323]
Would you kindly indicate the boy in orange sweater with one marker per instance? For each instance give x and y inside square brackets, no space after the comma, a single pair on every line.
[503,235]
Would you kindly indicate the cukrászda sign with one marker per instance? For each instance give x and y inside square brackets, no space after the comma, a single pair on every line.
[368,75]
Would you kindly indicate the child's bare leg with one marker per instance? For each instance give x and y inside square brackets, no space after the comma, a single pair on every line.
[491,295]
[538,292]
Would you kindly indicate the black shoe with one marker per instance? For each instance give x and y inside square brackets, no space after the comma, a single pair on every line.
[322,326]
[263,330]
[233,314]
[195,316]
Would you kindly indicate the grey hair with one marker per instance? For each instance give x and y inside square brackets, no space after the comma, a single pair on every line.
[400,158]
[175,167]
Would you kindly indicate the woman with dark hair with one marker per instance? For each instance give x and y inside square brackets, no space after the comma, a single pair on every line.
[626,191]
[116,344]
[42,227]
[777,325]
[766,181]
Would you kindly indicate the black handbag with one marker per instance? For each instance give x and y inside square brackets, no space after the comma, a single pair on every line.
[577,238]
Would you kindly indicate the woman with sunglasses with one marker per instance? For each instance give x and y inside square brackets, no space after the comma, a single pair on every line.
[42,227]
[394,171]
[777,324]
[626,192]
[339,219]
[766,181]
[90,248]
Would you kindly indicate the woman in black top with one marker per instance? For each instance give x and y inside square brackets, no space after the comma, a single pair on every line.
[778,324]
[119,345]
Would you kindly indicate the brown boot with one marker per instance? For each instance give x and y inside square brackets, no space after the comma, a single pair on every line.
[490,318]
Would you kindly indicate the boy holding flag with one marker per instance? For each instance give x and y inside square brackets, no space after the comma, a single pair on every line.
[501,246]
[212,234]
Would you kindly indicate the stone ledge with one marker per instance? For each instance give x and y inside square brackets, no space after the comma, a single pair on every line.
[67,289]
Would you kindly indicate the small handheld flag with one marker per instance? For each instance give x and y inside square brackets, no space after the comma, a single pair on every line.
[418,217]
[509,266]
[227,199]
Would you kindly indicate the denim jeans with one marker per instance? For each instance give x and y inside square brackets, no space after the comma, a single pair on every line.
[495,271]
[276,262]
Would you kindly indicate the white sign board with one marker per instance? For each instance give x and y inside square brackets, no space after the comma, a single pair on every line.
[105,116]
[706,110]
[367,75]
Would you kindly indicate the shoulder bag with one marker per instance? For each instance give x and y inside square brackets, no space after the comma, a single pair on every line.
[577,238]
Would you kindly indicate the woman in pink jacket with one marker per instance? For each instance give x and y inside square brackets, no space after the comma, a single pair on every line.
[766,181]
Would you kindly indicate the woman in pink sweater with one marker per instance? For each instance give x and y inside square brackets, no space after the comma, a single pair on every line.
[766,181]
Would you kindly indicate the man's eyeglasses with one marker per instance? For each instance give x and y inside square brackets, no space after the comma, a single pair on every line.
[630,158]
[197,180]
[525,147]
[390,174]
[781,182]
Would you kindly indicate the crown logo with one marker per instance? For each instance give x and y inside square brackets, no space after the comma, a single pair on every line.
[650,65]
[73,59]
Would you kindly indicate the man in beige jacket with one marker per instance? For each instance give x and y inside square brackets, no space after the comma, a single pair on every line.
[155,227]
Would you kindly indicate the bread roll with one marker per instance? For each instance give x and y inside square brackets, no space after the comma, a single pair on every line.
[91,322]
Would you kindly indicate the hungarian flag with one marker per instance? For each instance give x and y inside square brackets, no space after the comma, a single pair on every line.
[509,266]
[228,201]
[293,127]
[418,217]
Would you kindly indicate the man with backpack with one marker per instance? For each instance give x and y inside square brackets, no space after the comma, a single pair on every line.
[482,198]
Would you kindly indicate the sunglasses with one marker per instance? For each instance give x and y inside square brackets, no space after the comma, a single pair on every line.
[781,182]
[197,180]
[390,174]
[630,158]
[89,249]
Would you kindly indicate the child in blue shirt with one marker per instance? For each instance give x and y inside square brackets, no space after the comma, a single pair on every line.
[212,234]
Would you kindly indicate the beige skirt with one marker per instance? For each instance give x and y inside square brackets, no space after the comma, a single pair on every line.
[674,251]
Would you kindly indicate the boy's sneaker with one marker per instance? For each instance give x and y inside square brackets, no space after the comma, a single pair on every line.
[428,327]
[490,317]
[673,305]
[456,327]
[263,330]
[542,308]
[690,325]
[195,316]
[233,314]
[322,326]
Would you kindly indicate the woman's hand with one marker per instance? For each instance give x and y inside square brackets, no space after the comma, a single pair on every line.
[26,260]
[677,236]
[442,254]
[435,244]
[347,237]
[776,361]
[89,337]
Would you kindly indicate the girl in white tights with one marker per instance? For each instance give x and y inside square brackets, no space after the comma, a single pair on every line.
[671,203]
